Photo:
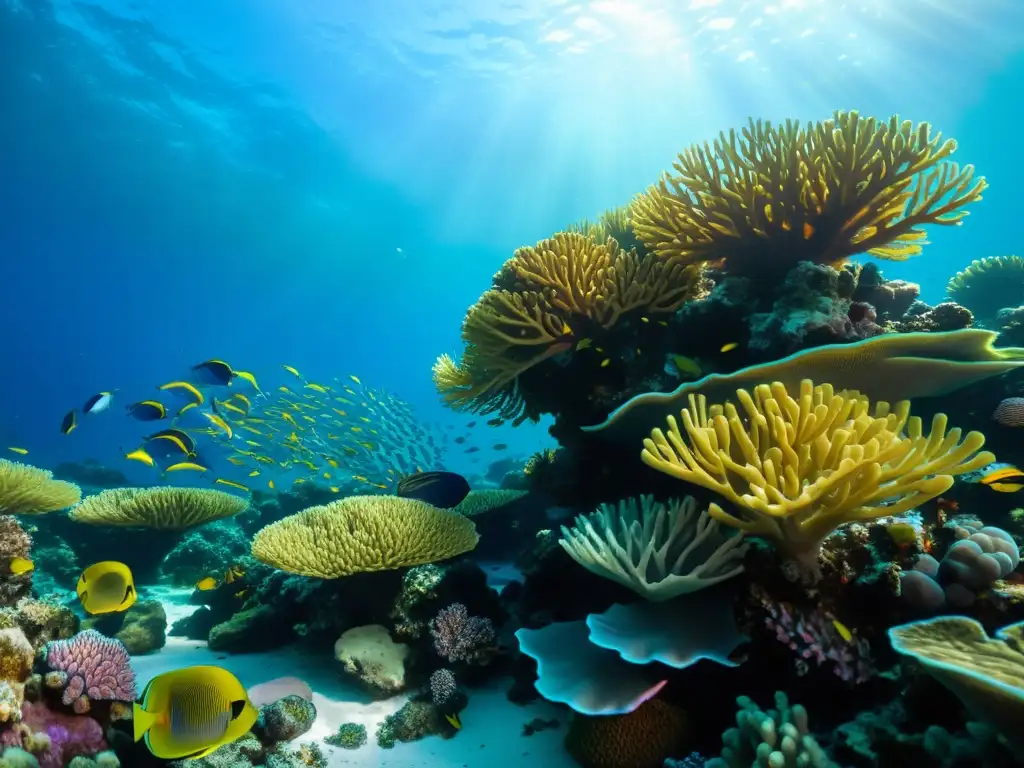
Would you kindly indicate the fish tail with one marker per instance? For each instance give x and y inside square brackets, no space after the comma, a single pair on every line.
[142,720]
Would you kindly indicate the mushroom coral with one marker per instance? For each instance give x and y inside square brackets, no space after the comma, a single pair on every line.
[28,490]
[171,509]
[772,196]
[363,533]
[545,299]
[796,466]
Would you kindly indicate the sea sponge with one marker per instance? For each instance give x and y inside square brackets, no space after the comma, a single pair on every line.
[988,285]
[660,551]
[373,658]
[28,490]
[172,509]
[986,674]
[643,738]
[363,533]
[777,195]
[545,299]
[797,465]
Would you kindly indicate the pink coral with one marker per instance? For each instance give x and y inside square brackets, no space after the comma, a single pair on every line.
[69,735]
[96,667]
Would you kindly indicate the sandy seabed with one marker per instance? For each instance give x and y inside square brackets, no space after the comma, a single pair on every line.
[491,735]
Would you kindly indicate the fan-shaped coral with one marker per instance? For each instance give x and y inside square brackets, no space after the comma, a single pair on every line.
[772,196]
[173,509]
[988,285]
[363,533]
[28,490]
[797,467]
[543,300]
[660,551]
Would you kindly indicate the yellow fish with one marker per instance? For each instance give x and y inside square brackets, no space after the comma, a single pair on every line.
[246,376]
[843,630]
[605,363]
[205,585]
[186,408]
[254,473]
[729,347]
[335,489]
[183,465]
[236,461]
[139,454]
[191,712]
[453,720]
[21,451]
[583,344]
[242,593]
[292,371]
[270,484]
[355,379]
[231,484]
[317,387]
[217,421]
[686,365]
[196,394]
[20,565]
[106,587]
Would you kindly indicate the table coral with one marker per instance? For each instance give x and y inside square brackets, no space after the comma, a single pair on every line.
[88,667]
[28,490]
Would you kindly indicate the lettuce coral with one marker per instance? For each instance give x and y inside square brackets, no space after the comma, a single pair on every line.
[770,196]
[544,300]
[797,465]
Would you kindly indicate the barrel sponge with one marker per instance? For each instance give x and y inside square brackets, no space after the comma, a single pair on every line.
[170,509]
[28,490]
[643,738]
[797,465]
[774,195]
[363,533]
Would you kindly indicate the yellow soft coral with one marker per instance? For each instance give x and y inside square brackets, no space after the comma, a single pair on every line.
[776,195]
[363,533]
[28,490]
[796,468]
[544,299]
[174,509]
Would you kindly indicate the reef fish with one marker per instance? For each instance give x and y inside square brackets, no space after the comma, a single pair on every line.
[98,402]
[213,372]
[147,410]
[206,584]
[441,489]
[20,565]
[191,712]
[1002,477]
[68,423]
[106,587]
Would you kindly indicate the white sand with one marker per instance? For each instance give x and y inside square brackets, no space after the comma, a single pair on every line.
[491,736]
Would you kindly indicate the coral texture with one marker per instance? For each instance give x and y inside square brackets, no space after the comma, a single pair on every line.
[363,533]
[798,465]
[370,655]
[643,738]
[775,195]
[28,490]
[442,687]
[461,637]
[286,719]
[173,509]
[67,735]
[94,667]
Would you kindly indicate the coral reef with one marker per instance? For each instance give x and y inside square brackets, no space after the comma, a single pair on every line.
[644,738]
[373,658]
[414,721]
[170,509]
[89,667]
[285,720]
[14,542]
[987,286]
[141,629]
[461,637]
[203,551]
[348,736]
[28,490]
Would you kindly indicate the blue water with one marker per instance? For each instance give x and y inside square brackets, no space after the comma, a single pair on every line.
[330,184]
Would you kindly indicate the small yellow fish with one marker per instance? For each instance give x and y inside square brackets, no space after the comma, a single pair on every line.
[254,473]
[186,465]
[686,365]
[205,585]
[139,454]
[583,344]
[246,376]
[285,390]
[21,451]
[20,565]
[231,484]
[186,408]
[453,721]
[729,347]
[335,489]
[843,630]
[236,461]
[317,387]
[241,594]
[605,363]
[270,484]
[217,421]
[355,379]
[196,394]
[327,475]
[292,371]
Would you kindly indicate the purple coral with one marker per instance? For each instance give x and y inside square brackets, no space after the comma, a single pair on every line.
[94,667]
[461,637]
[69,735]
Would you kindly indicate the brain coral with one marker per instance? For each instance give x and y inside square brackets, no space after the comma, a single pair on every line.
[174,509]
[363,533]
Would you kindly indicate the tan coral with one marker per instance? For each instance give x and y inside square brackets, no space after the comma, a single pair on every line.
[28,490]
[173,509]
[770,196]
[797,466]
[363,533]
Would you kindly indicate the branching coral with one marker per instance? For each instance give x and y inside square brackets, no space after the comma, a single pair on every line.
[797,467]
[988,285]
[28,490]
[174,509]
[770,196]
[543,300]
[660,551]
[363,533]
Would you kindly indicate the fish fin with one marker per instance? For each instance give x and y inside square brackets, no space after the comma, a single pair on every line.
[237,708]
[142,721]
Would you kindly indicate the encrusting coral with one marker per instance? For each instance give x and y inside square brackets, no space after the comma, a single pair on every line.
[798,465]
[986,286]
[162,508]
[771,196]
[28,490]
[363,533]
[544,300]
[660,551]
